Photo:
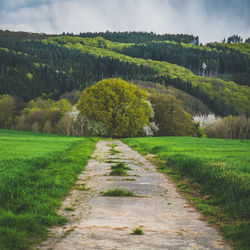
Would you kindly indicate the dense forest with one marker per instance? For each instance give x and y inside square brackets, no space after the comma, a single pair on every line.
[31,68]
[220,60]
[222,97]
[141,37]
[51,66]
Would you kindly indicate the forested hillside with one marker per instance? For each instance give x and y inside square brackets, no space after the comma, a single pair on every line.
[33,65]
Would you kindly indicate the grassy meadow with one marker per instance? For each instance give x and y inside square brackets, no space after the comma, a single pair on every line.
[36,171]
[213,173]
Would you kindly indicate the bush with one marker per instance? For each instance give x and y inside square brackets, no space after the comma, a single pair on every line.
[231,127]
[171,118]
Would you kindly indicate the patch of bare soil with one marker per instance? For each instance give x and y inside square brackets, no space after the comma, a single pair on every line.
[101,222]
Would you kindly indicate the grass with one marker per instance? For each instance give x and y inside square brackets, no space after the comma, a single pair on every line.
[137,231]
[37,170]
[118,192]
[118,172]
[129,179]
[82,187]
[111,161]
[121,165]
[119,169]
[69,209]
[213,173]
[113,151]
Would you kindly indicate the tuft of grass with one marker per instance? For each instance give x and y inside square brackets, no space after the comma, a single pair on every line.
[113,151]
[137,231]
[112,145]
[67,233]
[129,179]
[69,209]
[118,172]
[118,192]
[82,187]
[111,161]
[119,169]
[120,165]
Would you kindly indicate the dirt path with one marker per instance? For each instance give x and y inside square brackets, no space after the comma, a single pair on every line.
[101,222]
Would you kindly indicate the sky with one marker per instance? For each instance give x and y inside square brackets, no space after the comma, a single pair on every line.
[211,20]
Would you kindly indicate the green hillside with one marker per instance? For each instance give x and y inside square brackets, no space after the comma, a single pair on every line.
[34,65]
[223,97]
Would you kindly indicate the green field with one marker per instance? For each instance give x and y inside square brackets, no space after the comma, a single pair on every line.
[221,171]
[36,171]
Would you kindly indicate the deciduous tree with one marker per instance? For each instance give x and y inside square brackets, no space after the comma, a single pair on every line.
[171,118]
[121,107]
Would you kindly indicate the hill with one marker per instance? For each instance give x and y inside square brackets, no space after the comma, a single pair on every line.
[33,65]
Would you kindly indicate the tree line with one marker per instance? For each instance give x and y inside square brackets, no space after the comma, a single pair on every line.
[140,37]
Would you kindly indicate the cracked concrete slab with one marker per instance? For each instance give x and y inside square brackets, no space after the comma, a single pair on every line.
[100,222]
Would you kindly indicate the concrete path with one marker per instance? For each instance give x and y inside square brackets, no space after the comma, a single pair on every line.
[100,222]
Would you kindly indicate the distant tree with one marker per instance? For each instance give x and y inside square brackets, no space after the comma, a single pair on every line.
[43,115]
[171,118]
[235,39]
[7,110]
[117,106]
[230,127]
[247,40]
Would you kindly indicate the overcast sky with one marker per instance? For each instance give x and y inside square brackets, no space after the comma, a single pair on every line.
[211,20]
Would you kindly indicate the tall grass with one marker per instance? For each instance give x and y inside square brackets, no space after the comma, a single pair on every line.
[36,171]
[221,167]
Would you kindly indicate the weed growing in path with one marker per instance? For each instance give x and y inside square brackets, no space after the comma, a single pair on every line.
[69,209]
[82,187]
[113,151]
[118,172]
[137,231]
[120,165]
[118,192]
[111,161]
[119,169]
[112,145]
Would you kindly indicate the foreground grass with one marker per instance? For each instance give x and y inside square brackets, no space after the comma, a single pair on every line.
[213,173]
[37,170]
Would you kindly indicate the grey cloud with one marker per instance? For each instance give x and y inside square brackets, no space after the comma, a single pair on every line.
[210,19]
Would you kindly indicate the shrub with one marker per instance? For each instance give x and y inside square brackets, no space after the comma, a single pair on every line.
[171,118]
